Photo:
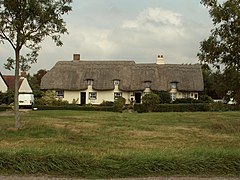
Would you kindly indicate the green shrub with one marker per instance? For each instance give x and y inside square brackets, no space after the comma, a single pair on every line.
[6,98]
[186,101]
[140,108]
[237,97]
[205,99]
[74,107]
[165,97]
[4,108]
[150,101]
[106,103]
[119,104]
[49,99]
[218,106]
[181,107]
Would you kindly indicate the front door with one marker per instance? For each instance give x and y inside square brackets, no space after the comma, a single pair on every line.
[138,97]
[83,98]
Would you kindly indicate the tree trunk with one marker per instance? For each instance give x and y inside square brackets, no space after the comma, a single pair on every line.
[16,89]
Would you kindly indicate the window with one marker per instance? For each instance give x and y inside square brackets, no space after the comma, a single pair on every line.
[173,96]
[90,82]
[60,93]
[196,96]
[117,95]
[92,95]
[147,84]
[186,95]
[174,85]
[116,82]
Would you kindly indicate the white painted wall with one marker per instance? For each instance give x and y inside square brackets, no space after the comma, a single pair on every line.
[109,95]
[25,87]
[3,86]
[71,95]
[101,96]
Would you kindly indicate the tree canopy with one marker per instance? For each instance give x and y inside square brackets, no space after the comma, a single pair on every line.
[25,24]
[223,45]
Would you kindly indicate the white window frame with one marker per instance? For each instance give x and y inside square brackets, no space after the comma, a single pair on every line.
[173,85]
[116,82]
[117,95]
[92,95]
[196,96]
[60,93]
[90,82]
[147,84]
[173,96]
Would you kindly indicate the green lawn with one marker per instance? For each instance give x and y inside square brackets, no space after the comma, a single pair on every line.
[107,144]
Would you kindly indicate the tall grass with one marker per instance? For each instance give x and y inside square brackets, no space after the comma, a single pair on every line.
[107,144]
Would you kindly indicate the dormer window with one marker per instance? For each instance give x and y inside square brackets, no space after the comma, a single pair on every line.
[173,85]
[90,82]
[147,84]
[116,82]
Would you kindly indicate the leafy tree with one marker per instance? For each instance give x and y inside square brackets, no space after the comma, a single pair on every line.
[35,81]
[25,24]
[222,47]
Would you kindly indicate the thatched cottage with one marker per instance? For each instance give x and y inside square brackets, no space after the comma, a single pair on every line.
[97,81]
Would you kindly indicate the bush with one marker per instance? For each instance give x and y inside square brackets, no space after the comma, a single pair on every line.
[140,108]
[74,107]
[119,104]
[4,108]
[6,98]
[165,97]
[237,97]
[50,99]
[106,103]
[150,101]
[218,106]
[181,108]
[205,99]
[186,101]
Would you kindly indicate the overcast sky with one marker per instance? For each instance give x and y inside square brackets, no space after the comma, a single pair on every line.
[136,30]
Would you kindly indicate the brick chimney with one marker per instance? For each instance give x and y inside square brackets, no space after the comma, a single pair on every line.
[76,57]
[160,59]
[23,73]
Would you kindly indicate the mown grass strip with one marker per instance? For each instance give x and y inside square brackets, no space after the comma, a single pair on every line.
[209,163]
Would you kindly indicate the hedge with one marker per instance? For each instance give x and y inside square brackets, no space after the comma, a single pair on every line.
[80,108]
[4,108]
[188,107]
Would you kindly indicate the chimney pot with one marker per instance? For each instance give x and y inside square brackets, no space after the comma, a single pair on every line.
[160,59]
[76,57]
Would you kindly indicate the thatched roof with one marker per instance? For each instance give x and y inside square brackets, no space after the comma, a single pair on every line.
[73,75]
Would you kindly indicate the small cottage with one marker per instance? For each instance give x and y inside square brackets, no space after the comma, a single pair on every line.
[24,86]
[3,84]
